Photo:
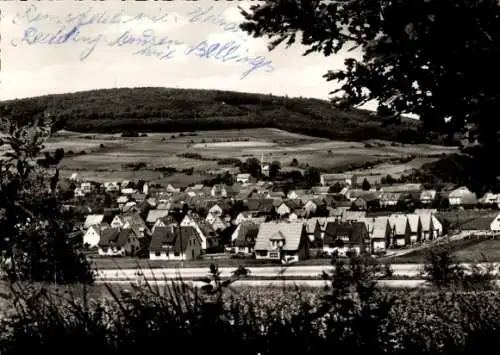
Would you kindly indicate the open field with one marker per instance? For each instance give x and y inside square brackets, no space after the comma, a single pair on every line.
[488,250]
[104,156]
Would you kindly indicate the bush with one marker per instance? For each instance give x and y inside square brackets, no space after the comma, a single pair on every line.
[130,134]
[353,315]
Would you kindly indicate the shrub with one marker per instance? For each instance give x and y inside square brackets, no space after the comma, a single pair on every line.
[130,134]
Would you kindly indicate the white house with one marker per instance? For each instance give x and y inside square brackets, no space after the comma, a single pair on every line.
[92,235]
[495,224]
[462,196]
[428,196]
[243,178]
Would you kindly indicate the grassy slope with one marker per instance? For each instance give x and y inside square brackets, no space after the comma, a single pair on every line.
[170,110]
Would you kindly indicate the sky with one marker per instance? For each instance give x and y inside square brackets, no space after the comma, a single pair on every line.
[46,49]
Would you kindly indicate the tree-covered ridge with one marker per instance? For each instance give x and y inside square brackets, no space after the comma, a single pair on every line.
[169,110]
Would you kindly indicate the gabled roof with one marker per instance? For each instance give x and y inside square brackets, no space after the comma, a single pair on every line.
[426,220]
[292,233]
[413,220]
[354,230]
[246,234]
[369,222]
[167,220]
[353,215]
[135,220]
[398,223]
[154,215]
[264,205]
[108,236]
[172,238]
[292,204]
[380,225]
[93,219]
[311,225]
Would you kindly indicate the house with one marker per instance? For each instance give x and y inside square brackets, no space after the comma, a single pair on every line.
[132,220]
[86,187]
[313,205]
[495,224]
[428,196]
[313,230]
[111,186]
[196,190]
[415,227]
[247,216]
[403,188]
[217,223]
[244,236]
[462,196]
[320,190]
[332,179]
[224,191]
[288,206]
[261,206]
[280,241]
[401,231]
[118,242]
[206,232]
[241,217]
[344,237]
[128,191]
[78,192]
[360,204]
[380,237]
[296,194]
[217,209]
[175,243]
[243,178]
[122,200]
[93,219]
[389,199]
[92,235]
[164,222]
[172,189]
[154,215]
[426,219]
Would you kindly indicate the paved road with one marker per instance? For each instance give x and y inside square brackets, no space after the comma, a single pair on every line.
[408,270]
[281,283]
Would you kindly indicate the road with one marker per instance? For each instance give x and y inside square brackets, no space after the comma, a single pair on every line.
[286,283]
[407,270]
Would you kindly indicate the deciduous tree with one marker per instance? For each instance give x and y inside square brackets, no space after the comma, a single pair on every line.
[34,240]
[437,59]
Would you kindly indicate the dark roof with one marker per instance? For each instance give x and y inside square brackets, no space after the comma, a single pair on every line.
[292,204]
[247,232]
[109,235]
[172,238]
[260,204]
[354,230]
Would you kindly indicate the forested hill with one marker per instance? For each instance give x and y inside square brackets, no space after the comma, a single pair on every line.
[170,110]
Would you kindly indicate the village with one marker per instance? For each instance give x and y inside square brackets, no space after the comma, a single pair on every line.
[250,219]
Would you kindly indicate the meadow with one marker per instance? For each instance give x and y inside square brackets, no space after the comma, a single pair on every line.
[103,157]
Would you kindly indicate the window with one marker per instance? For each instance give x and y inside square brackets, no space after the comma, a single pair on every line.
[176,253]
[273,255]
[157,253]
[262,253]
